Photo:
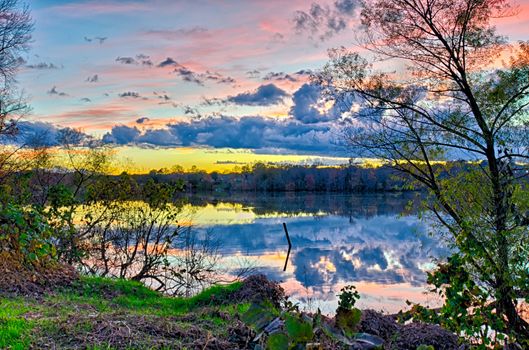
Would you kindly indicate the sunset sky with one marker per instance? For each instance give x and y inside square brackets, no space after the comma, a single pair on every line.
[164,75]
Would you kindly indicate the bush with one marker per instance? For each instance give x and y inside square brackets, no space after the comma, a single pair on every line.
[25,234]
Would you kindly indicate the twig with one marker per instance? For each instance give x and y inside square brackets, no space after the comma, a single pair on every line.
[289,246]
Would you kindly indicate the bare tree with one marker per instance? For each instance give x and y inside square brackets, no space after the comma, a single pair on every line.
[137,241]
[453,99]
[16,27]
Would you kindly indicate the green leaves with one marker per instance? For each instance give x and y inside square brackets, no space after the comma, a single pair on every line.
[299,331]
[467,310]
[277,341]
[425,347]
[282,330]
[348,319]
[259,316]
[25,233]
[348,297]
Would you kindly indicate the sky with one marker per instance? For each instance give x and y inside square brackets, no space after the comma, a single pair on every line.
[156,77]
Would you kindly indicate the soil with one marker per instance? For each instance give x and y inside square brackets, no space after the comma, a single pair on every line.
[257,288]
[123,331]
[408,336]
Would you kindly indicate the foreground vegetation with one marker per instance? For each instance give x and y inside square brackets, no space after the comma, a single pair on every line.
[97,313]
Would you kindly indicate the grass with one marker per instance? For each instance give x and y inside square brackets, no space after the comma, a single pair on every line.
[93,301]
[14,328]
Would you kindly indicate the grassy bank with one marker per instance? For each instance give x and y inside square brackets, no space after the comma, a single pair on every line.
[97,313]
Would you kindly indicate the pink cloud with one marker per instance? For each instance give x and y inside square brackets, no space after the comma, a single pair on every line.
[99,7]
[92,118]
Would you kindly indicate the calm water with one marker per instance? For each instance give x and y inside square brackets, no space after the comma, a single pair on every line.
[364,240]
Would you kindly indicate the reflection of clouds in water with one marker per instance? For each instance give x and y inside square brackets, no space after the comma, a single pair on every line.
[367,264]
[381,249]
[359,242]
[385,249]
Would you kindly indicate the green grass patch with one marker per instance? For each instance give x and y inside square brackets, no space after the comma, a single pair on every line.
[105,294]
[24,320]
[14,328]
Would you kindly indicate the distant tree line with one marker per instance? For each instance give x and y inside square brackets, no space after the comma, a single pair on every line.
[289,178]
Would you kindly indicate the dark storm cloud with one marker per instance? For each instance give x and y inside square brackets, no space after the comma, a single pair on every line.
[311,274]
[253,73]
[163,97]
[219,78]
[188,75]
[213,101]
[126,60]
[306,72]
[372,257]
[99,39]
[159,137]
[167,63]
[307,105]
[55,92]
[265,95]
[131,94]
[38,134]
[230,132]
[147,63]
[309,128]
[43,66]
[188,110]
[93,79]
[279,76]
[121,135]
[324,21]
[142,120]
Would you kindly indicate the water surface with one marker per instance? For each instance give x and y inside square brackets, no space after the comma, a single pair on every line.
[368,240]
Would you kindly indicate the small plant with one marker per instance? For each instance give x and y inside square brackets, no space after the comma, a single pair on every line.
[467,310]
[348,297]
[347,316]
[288,328]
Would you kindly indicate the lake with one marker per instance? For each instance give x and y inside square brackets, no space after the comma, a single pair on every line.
[368,240]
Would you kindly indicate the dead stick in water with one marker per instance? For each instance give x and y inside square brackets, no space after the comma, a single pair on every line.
[289,246]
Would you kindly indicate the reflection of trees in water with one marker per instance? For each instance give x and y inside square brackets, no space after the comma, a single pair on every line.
[350,205]
[363,237]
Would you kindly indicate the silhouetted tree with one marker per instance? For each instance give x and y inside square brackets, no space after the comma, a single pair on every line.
[16,27]
[453,100]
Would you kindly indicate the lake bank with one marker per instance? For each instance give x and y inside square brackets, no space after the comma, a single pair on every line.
[96,313]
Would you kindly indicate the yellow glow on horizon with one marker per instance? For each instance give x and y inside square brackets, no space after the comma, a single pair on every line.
[142,160]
